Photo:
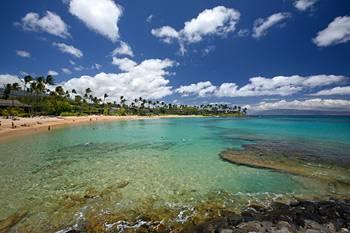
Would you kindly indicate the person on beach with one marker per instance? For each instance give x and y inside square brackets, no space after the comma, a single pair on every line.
[49,128]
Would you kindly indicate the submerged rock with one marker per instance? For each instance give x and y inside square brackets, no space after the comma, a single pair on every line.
[7,223]
[296,163]
[122,184]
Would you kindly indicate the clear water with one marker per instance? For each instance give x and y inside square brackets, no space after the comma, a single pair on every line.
[173,162]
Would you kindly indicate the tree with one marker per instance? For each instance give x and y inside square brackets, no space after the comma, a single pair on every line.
[49,80]
[88,91]
[16,87]
[104,97]
[59,90]
[27,79]
[7,91]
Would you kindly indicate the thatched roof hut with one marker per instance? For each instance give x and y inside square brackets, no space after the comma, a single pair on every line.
[13,103]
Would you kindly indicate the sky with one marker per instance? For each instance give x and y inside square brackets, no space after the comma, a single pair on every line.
[265,55]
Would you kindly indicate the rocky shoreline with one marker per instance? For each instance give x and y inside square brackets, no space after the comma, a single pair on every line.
[301,216]
[297,216]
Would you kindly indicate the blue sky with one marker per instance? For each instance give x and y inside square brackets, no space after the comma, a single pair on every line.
[267,54]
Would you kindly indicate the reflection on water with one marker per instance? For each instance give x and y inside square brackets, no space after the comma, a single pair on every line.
[119,175]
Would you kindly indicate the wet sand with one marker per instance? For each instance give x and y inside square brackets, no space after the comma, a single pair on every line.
[26,126]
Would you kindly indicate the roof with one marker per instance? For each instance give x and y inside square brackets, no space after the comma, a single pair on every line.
[12,103]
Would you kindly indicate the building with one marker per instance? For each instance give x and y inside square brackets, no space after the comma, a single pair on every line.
[14,104]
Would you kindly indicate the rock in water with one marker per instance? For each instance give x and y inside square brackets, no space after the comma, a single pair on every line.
[7,223]
[123,184]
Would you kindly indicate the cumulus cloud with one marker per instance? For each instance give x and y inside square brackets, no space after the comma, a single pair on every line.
[23,53]
[146,79]
[309,104]
[216,21]
[261,86]
[70,49]
[303,5]
[8,78]
[50,23]
[124,64]
[333,91]
[52,72]
[201,89]
[166,33]
[123,49]
[337,32]
[101,16]
[261,26]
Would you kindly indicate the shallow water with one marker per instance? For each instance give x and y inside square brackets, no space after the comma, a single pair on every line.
[170,163]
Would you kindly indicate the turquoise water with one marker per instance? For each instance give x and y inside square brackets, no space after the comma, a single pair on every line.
[173,162]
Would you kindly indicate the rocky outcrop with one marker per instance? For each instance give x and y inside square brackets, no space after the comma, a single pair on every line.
[302,216]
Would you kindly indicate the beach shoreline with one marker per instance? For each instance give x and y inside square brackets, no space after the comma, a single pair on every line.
[21,126]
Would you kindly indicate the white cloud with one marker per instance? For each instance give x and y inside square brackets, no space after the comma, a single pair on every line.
[337,32]
[208,50]
[50,23]
[261,86]
[309,104]
[64,48]
[52,72]
[149,18]
[23,73]
[146,79]
[123,49]
[66,71]
[124,64]
[97,66]
[23,53]
[333,91]
[303,5]
[216,21]
[79,68]
[8,78]
[243,32]
[261,26]
[166,33]
[101,16]
[72,62]
[201,89]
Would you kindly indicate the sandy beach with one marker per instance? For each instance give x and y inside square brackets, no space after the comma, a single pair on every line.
[20,126]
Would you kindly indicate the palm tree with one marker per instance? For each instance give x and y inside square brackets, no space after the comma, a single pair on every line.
[87,92]
[15,87]
[59,90]
[77,98]
[27,79]
[104,97]
[7,91]
[122,101]
[50,80]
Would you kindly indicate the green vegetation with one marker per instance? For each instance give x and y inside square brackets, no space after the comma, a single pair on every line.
[42,100]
